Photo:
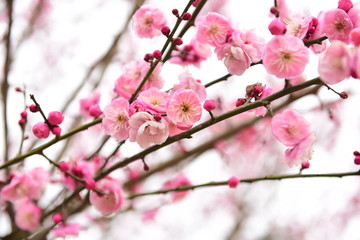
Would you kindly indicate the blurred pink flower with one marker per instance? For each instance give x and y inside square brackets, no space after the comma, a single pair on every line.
[116,120]
[27,185]
[285,56]
[145,130]
[184,108]
[27,215]
[193,53]
[301,152]
[112,201]
[334,64]
[290,128]
[66,229]
[148,22]
[179,181]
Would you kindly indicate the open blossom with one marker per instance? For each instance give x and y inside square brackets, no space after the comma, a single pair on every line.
[145,130]
[80,168]
[337,25]
[297,25]
[334,65]
[27,215]
[154,99]
[188,82]
[213,29]
[301,152]
[133,73]
[285,56]
[148,22]
[184,108]
[116,120]
[112,201]
[290,128]
[27,185]
[241,50]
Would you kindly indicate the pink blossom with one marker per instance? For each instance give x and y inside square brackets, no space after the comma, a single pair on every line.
[354,15]
[116,120]
[334,65]
[41,130]
[285,56]
[301,152]
[193,53]
[148,22]
[241,50]
[290,128]
[66,229]
[112,201]
[145,130]
[154,99]
[27,215]
[297,25]
[184,108]
[28,185]
[179,181]
[133,74]
[80,168]
[188,82]
[95,111]
[213,29]
[137,106]
[337,25]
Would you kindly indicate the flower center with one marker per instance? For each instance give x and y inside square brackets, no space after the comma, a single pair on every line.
[185,108]
[285,56]
[121,118]
[339,26]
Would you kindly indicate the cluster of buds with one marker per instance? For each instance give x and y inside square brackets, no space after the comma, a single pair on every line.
[51,123]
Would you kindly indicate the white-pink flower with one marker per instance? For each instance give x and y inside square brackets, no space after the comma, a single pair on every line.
[290,128]
[112,201]
[66,229]
[213,29]
[116,120]
[184,108]
[145,130]
[27,215]
[148,22]
[334,64]
[285,56]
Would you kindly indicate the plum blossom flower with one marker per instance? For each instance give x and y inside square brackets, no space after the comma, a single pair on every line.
[290,128]
[134,72]
[87,103]
[184,108]
[285,56]
[179,181]
[188,82]
[301,152]
[334,64]
[41,130]
[242,49]
[112,201]
[213,29]
[27,215]
[193,53]
[297,25]
[66,229]
[148,22]
[145,130]
[28,185]
[337,25]
[154,99]
[116,120]
[80,168]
